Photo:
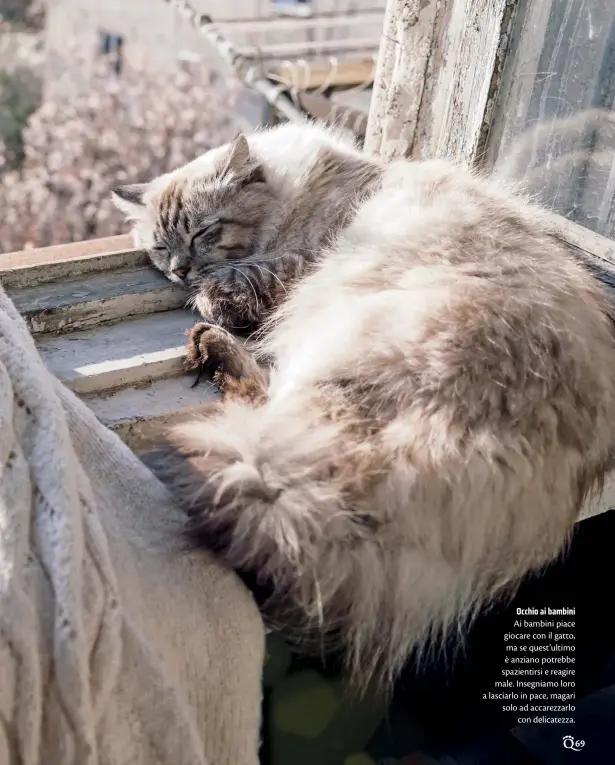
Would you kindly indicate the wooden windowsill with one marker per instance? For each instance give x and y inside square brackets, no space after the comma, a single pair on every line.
[584,239]
[37,265]
[112,329]
[73,251]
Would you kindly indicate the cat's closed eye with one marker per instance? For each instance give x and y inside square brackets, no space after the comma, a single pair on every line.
[207,234]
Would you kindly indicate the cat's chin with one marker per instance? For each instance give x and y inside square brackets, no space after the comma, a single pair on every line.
[176,280]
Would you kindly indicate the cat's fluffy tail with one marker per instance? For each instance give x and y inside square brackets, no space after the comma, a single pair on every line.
[271,497]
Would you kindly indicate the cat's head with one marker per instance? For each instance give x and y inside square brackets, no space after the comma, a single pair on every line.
[207,212]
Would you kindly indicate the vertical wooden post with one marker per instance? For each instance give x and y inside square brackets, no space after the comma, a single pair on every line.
[439,71]
[405,49]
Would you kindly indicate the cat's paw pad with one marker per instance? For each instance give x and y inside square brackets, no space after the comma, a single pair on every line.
[218,354]
[206,342]
[215,352]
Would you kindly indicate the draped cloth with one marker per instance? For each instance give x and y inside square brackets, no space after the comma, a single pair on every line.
[117,645]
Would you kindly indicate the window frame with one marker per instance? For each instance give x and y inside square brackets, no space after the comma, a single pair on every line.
[441,69]
[112,45]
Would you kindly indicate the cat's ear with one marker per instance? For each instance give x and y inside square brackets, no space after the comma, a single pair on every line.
[239,164]
[238,157]
[129,199]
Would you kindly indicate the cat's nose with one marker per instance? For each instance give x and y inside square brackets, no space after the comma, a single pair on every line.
[181,273]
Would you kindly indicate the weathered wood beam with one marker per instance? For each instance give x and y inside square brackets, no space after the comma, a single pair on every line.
[26,268]
[332,73]
[472,44]
[317,22]
[405,49]
[439,69]
[311,48]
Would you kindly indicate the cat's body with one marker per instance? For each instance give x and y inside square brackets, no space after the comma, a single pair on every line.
[442,397]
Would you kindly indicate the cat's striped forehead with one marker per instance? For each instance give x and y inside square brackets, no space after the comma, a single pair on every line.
[172,209]
[183,199]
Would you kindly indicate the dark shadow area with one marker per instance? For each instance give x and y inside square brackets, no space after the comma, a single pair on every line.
[439,716]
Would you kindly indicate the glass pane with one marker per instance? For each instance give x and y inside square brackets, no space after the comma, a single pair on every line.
[555,121]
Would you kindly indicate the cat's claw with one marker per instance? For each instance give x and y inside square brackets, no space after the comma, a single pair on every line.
[200,337]
[214,351]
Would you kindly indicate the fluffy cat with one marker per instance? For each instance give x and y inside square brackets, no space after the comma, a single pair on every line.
[441,398]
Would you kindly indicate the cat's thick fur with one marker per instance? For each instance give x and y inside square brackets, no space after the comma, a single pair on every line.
[442,397]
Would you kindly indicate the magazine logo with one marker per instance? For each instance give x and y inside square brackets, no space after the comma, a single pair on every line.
[570,743]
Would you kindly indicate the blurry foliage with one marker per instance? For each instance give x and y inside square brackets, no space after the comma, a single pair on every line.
[20,96]
[126,128]
[23,13]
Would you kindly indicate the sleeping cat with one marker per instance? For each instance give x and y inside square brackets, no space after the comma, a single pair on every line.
[441,399]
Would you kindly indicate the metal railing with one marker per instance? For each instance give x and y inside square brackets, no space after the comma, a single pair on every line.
[295,104]
[250,74]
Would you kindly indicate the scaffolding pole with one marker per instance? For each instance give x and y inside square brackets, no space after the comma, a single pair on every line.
[297,106]
[246,70]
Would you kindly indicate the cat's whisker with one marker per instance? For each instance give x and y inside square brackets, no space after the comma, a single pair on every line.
[275,276]
[247,278]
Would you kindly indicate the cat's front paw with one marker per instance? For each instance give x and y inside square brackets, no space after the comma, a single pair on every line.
[214,351]
[207,346]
